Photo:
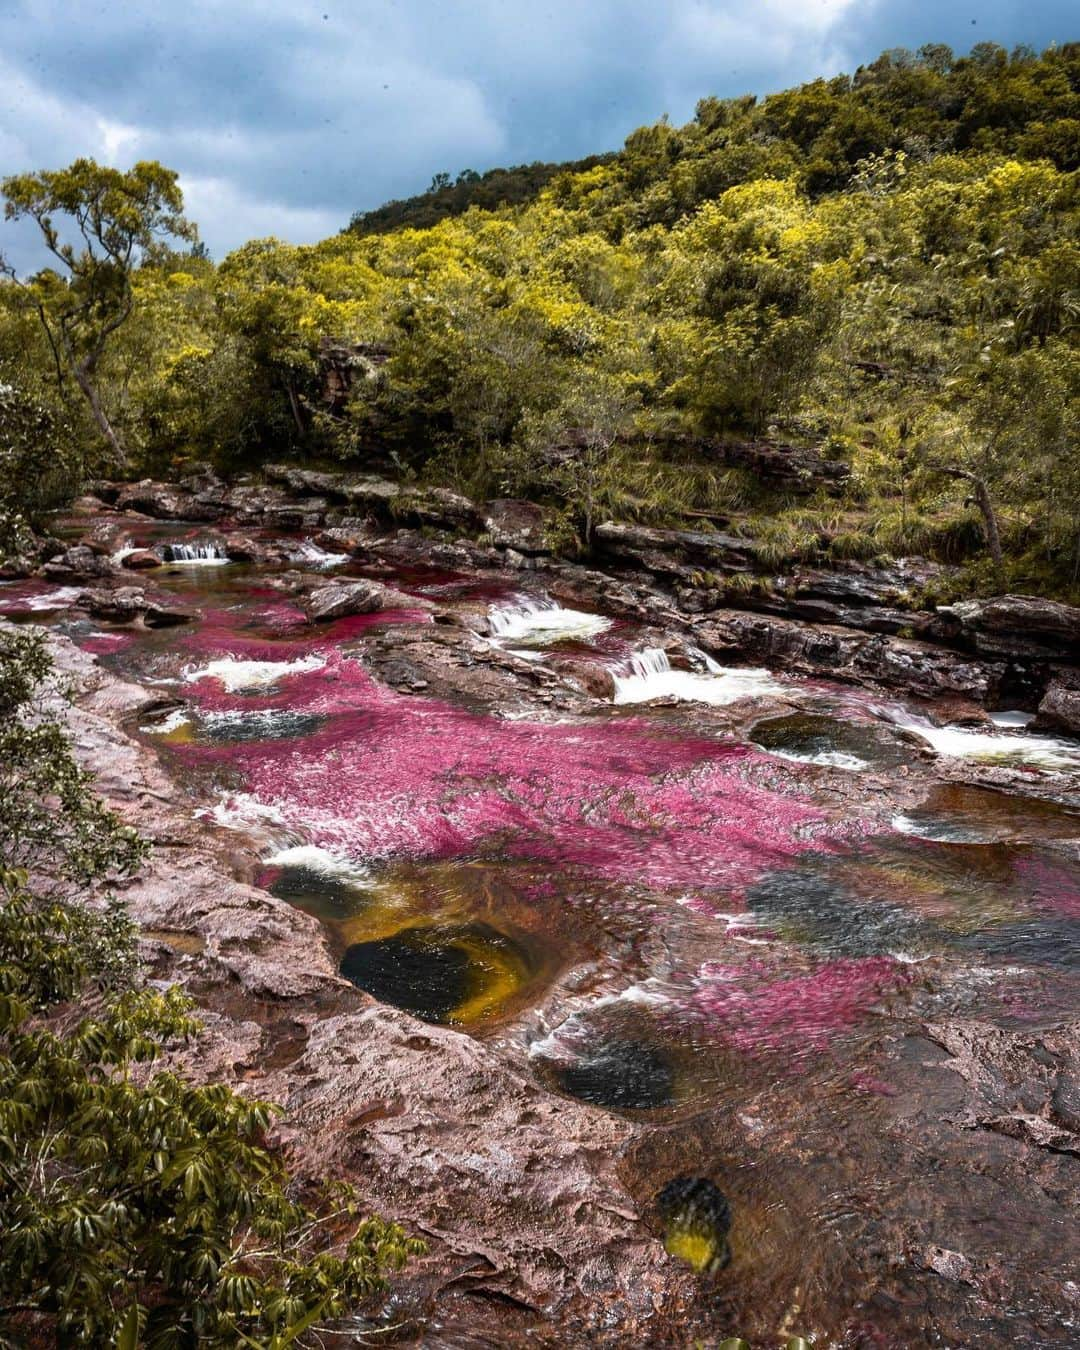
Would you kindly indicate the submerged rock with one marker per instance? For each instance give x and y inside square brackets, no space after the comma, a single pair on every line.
[697,1217]
[624,1074]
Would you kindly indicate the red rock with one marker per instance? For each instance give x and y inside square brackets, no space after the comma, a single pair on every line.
[140,560]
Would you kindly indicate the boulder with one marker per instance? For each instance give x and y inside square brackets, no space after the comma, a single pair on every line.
[243,549]
[595,679]
[130,605]
[1012,625]
[125,604]
[516,524]
[1060,707]
[341,598]
[671,551]
[847,654]
[166,616]
[78,564]
[1018,614]
[140,560]
[164,502]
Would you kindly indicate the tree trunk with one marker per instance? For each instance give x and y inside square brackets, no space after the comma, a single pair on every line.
[990,524]
[985,503]
[104,425]
[294,404]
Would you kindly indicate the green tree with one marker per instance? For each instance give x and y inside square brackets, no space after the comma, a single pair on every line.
[118,219]
[134,1206]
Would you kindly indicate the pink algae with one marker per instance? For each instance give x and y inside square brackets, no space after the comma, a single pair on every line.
[1053,885]
[391,776]
[754,1011]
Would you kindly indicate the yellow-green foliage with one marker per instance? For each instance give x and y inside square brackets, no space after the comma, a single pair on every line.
[885,266]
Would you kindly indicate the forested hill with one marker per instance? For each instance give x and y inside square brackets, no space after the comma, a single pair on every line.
[873,280]
[922,104]
[487,191]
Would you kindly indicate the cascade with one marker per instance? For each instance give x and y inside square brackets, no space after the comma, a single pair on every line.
[539,620]
[648,674]
[198,552]
[1005,743]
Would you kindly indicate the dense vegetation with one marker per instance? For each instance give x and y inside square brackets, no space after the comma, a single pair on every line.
[453,196]
[135,1207]
[883,268]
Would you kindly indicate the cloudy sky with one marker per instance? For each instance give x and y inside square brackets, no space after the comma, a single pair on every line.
[285,116]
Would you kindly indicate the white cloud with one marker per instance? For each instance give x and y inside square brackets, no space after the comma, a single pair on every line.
[285,116]
[218,205]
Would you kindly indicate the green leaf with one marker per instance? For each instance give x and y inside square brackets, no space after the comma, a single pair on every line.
[127,1338]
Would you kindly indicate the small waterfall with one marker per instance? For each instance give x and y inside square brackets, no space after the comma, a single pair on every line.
[648,674]
[536,621]
[1006,744]
[204,553]
[309,554]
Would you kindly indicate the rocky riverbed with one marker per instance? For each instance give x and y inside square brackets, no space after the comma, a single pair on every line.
[675,966]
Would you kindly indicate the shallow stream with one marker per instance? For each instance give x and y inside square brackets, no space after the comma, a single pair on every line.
[727,915]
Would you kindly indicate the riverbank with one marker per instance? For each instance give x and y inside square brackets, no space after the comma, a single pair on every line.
[745,925]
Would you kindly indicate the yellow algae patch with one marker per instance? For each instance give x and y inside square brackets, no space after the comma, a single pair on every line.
[698,1250]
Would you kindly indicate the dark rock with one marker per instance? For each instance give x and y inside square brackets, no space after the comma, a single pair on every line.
[125,604]
[163,501]
[130,605]
[516,524]
[1022,626]
[243,549]
[1060,706]
[166,616]
[595,679]
[1065,1102]
[1020,615]
[249,503]
[438,506]
[847,654]
[78,564]
[670,551]
[342,539]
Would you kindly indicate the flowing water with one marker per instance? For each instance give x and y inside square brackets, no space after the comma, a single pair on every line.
[689,911]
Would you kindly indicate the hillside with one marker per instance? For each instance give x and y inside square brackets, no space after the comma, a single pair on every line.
[841,318]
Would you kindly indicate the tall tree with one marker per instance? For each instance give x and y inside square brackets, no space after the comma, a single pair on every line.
[118,220]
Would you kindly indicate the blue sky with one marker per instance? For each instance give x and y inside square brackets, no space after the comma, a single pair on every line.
[285,116]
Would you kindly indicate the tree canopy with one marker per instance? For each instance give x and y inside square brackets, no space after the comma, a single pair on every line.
[880,268]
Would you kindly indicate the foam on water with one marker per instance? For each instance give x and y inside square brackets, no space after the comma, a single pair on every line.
[537,621]
[61,598]
[242,811]
[172,722]
[832,759]
[236,674]
[313,556]
[1047,752]
[1012,718]
[320,861]
[648,674]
